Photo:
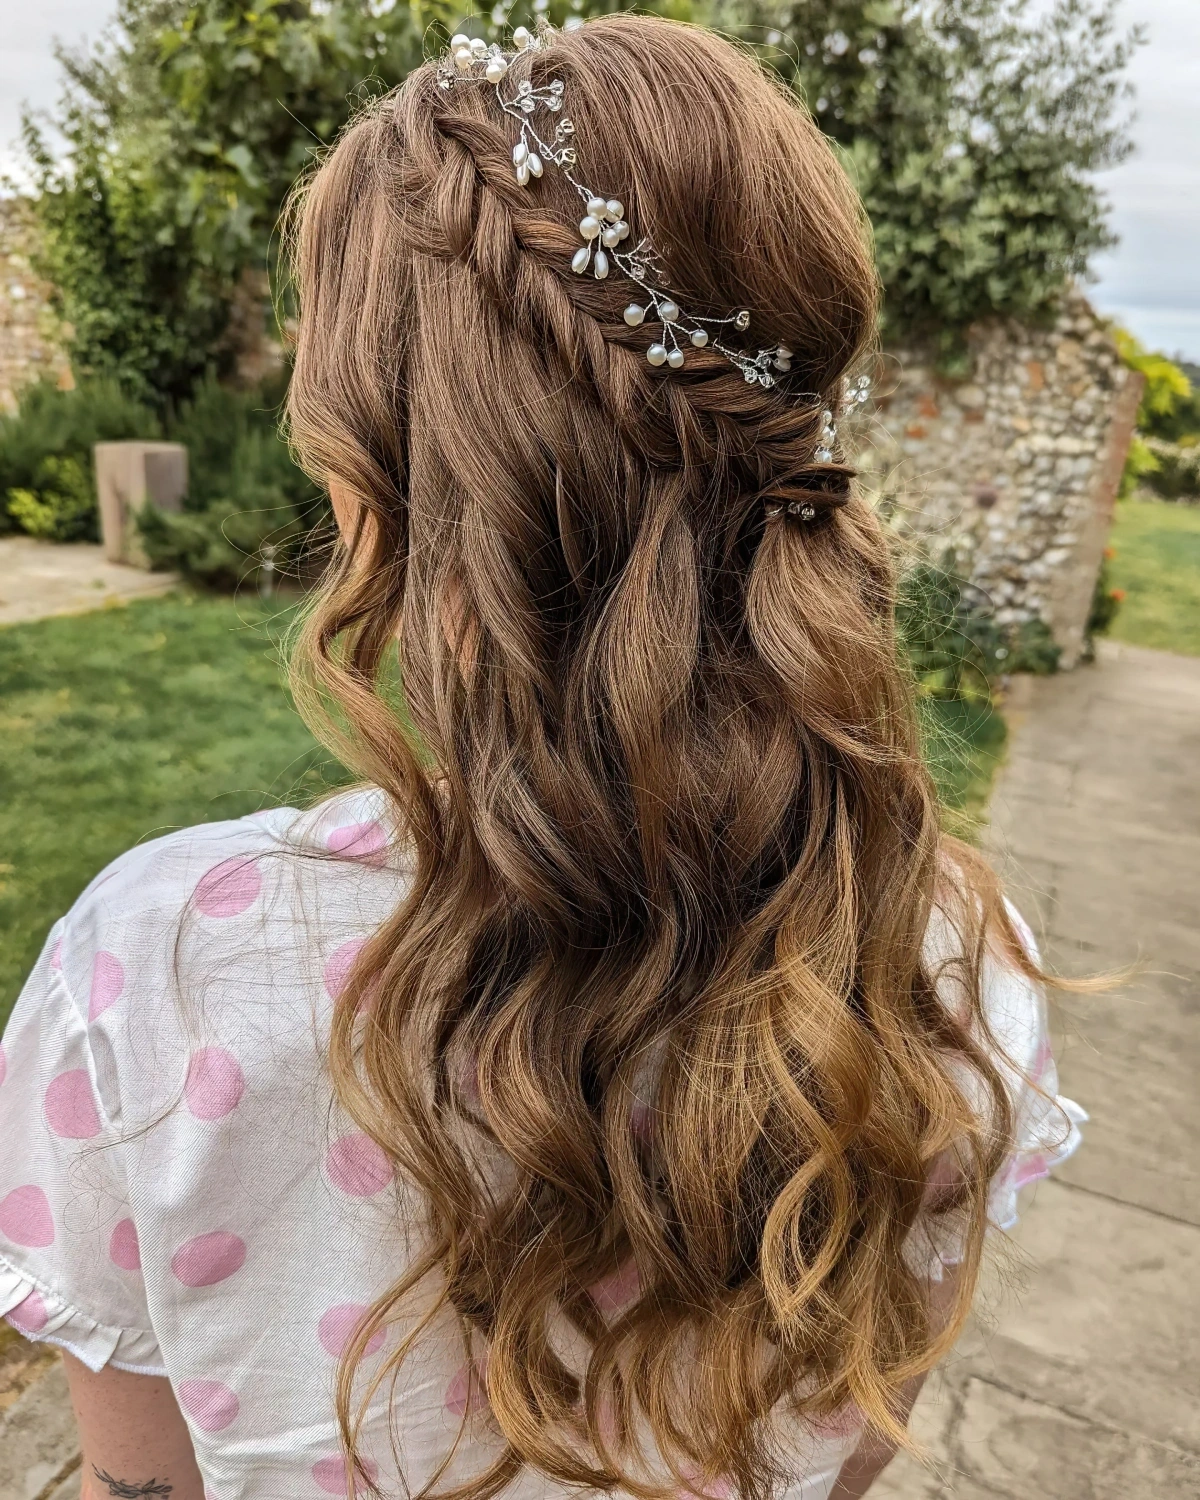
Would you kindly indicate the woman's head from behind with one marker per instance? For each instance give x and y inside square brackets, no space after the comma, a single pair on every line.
[671,830]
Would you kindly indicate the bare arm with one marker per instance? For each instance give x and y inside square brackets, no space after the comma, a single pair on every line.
[134,1439]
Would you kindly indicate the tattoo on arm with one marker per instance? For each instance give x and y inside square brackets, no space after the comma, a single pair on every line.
[123,1490]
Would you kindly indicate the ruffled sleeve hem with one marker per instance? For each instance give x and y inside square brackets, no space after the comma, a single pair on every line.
[1047,1135]
[43,1317]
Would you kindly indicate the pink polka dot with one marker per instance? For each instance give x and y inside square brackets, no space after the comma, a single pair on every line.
[56,956]
[616,1291]
[123,1247]
[214,1083]
[1027,1169]
[365,841]
[330,1474]
[25,1217]
[358,1166]
[108,980]
[338,1326]
[71,1106]
[208,1258]
[337,969]
[228,889]
[3,1065]
[209,1403]
[29,1316]
[467,1391]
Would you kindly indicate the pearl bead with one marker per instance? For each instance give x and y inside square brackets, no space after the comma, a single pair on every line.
[521,38]
[523,174]
[699,337]
[463,59]
[634,314]
[784,352]
[783,365]
[657,354]
[610,237]
[615,208]
[495,70]
[668,311]
[459,39]
[579,261]
[601,267]
[534,164]
[622,229]
[596,207]
[520,153]
[589,227]
[478,47]
[675,359]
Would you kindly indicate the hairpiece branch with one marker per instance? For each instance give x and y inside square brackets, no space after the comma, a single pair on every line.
[604,229]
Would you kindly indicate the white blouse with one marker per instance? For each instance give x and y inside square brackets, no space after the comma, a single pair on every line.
[180,1196]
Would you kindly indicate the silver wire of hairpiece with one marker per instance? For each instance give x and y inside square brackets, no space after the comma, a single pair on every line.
[603,227]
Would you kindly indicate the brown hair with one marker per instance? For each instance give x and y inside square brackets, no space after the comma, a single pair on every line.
[671,828]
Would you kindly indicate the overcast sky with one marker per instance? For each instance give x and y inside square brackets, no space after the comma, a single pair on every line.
[1151,281]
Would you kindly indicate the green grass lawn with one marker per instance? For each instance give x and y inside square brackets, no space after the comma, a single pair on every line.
[1157,563]
[123,724]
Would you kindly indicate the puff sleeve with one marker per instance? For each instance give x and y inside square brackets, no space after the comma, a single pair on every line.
[70,1270]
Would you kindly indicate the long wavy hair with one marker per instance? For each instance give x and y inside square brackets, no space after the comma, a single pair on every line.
[675,850]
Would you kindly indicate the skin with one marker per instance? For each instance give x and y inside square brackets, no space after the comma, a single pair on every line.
[133,1435]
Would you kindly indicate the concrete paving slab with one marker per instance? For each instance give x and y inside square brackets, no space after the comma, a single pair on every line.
[1085,1386]
[39,1449]
[39,579]
[1012,1444]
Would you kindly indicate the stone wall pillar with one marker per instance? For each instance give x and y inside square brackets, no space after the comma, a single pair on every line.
[1010,475]
[127,476]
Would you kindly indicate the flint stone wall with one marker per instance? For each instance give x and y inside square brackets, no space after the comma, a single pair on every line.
[1010,475]
[31,338]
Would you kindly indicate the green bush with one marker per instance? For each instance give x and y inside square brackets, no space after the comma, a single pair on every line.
[46,455]
[956,648]
[63,506]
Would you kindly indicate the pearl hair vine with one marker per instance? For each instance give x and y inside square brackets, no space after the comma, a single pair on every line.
[603,227]
[604,231]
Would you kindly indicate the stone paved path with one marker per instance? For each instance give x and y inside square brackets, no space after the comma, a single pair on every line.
[1088,1386]
[43,578]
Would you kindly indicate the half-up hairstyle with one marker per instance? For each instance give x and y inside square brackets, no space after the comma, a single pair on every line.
[675,849]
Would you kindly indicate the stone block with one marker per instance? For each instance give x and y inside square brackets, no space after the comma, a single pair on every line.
[128,476]
[39,1444]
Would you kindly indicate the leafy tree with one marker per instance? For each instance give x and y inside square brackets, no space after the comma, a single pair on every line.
[972,128]
[1170,404]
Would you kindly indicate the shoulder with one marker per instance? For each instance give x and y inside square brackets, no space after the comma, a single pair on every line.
[213,907]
